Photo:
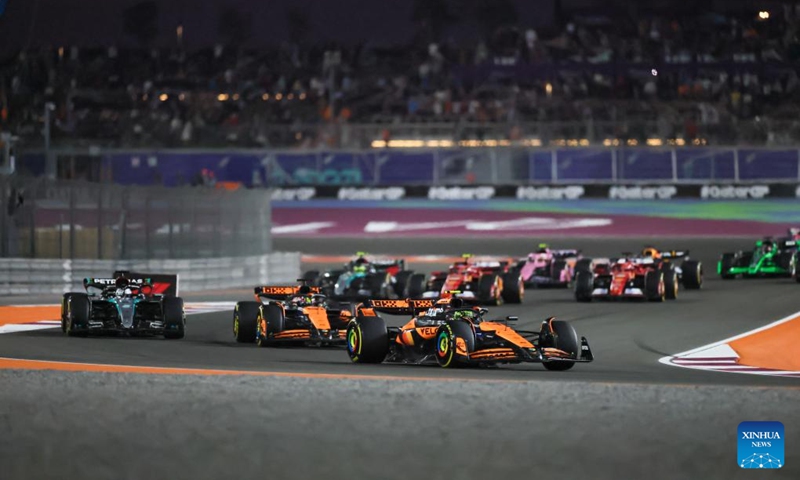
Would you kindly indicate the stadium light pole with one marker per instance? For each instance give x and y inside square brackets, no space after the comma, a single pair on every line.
[50,162]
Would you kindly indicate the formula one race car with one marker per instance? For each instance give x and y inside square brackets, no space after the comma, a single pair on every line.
[363,278]
[447,333]
[769,258]
[295,314]
[548,267]
[626,278]
[484,281]
[122,306]
[689,272]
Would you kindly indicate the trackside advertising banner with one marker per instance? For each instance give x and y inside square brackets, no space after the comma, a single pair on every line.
[542,192]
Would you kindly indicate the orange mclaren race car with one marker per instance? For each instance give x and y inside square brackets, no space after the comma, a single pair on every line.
[291,314]
[448,333]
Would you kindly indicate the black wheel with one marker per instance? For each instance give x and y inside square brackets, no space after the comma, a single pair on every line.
[174,318]
[692,275]
[415,286]
[64,306]
[726,262]
[78,314]
[560,334]
[670,283]
[400,282]
[245,321]
[584,284]
[796,268]
[367,340]
[513,287]
[449,354]
[583,265]
[311,277]
[374,283]
[654,289]
[270,321]
[490,289]
[784,260]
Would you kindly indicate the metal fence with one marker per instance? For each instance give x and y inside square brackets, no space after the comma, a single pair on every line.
[82,220]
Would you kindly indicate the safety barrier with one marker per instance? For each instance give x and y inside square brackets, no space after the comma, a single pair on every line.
[24,276]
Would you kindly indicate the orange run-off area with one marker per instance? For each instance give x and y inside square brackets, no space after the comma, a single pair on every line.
[775,348]
[25,314]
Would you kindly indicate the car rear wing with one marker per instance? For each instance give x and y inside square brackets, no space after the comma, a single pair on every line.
[104,283]
[282,292]
[401,307]
[784,244]
[162,283]
[565,253]
[673,254]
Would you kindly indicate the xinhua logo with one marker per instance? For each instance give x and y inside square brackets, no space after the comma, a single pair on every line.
[760,445]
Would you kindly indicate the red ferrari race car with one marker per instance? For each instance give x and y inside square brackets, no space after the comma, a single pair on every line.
[448,333]
[478,280]
[295,314]
[626,278]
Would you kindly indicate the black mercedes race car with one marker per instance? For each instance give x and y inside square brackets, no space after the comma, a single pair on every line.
[122,306]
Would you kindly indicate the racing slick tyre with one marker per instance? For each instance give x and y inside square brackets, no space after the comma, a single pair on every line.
[584,284]
[447,354]
[490,289]
[415,286]
[374,283]
[400,282]
[583,265]
[670,283]
[562,336]
[513,288]
[245,321]
[174,318]
[64,307]
[692,275]
[270,322]
[654,288]
[311,277]
[78,310]
[784,260]
[367,340]
[725,264]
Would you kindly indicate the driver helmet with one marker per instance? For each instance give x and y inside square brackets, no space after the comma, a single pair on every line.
[359,268]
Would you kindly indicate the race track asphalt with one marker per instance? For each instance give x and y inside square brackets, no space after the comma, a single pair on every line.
[623,416]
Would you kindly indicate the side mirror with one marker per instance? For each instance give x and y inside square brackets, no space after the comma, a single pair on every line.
[512,318]
[483,311]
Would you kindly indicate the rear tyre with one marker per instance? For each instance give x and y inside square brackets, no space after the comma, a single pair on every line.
[64,306]
[490,289]
[785,261]
[726,262]
[447,352]
[78,313]
[415,286]
[270,322]
[584,284]
[513,287]
[565,338]
[367,340]
[311,277]
[245,321]
[654,288]
[692,275]
[174,318]
[401,280]
[583,265]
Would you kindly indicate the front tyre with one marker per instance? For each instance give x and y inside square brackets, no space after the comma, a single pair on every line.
[270,321]
[692,275]
[565,338]
[78,313]
[174,318]
[513,287]
[454,342]
[245,321]
[367,340]
[584,285]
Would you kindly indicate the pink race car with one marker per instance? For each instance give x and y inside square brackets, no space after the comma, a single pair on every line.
[548,267]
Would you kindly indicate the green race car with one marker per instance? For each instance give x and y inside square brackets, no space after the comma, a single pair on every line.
[769,258]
